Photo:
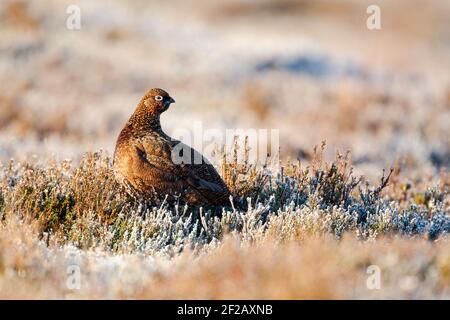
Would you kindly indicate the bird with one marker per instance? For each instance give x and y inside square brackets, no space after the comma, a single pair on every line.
[147,161]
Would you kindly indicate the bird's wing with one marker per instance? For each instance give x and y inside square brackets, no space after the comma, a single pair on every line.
[162,157]
[203,177]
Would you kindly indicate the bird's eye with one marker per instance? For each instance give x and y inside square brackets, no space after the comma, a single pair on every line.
[158,98]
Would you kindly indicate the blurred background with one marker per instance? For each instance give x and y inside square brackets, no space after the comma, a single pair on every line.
[310,68]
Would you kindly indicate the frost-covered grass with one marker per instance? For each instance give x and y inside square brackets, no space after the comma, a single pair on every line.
[309,222]
[84,206]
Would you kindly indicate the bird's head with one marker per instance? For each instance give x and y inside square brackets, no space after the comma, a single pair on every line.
[157,100]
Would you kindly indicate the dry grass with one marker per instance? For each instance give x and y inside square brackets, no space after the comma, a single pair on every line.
[296,220]
[23,122]
[319,268]
[18,14]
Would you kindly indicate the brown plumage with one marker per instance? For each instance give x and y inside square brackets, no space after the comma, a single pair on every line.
[146,160]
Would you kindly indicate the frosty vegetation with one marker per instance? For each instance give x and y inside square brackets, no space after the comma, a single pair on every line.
[84,206]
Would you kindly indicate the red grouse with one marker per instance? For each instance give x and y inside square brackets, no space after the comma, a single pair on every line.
[147,161]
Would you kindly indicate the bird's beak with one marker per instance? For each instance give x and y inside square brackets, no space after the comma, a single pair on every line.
[172,100]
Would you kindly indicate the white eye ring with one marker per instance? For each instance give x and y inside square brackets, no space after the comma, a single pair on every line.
[158,98]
